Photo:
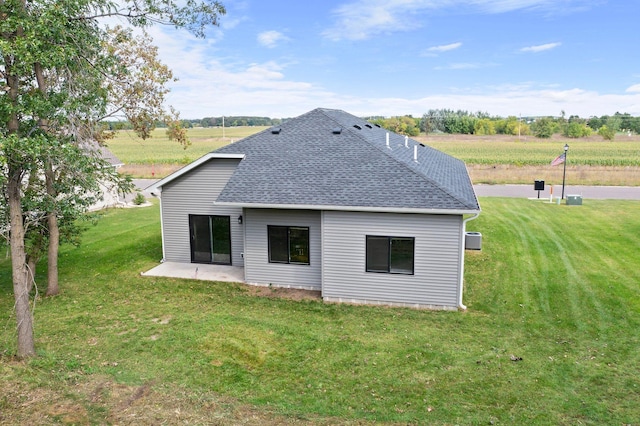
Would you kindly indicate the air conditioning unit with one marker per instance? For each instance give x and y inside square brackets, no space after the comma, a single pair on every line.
[473,241]
[574,200]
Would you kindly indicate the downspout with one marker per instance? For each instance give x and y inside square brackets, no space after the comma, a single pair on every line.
[158,195]
[462,249]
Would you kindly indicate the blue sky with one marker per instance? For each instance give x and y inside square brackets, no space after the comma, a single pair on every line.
[281,58]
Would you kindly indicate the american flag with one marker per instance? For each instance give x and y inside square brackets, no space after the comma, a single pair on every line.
[559,159]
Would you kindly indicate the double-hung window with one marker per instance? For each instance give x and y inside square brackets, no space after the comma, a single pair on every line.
[393,255]
[288,244]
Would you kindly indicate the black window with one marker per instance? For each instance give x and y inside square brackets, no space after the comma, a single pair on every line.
[288,244]
[392,255]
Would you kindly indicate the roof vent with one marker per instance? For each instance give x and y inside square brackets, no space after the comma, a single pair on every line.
[336,130]
[357,127]
[276,130]
[422,145]
[377,125]
[368,125]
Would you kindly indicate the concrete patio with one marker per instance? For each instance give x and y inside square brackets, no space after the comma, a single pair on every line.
[197,271]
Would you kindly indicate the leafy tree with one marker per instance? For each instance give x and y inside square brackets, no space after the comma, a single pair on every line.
[405,125]
[484,126]
[432,121]
[543,127]
[63,73]
[576,129]
[606,132]
[595,123]
[460,122]
[512,126]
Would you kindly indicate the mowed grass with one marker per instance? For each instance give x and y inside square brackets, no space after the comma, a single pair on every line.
[557,286]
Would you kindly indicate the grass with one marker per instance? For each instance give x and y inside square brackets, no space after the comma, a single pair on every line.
[557,286]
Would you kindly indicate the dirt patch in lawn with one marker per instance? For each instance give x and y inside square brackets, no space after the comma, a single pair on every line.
[98,399]
[284,293]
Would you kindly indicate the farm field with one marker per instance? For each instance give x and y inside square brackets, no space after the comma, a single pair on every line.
[495,159]
[549,337]
[158,156]
[504,159]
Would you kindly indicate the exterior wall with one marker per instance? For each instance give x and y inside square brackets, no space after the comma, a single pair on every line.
[436,264]
[195,193]
[258,270]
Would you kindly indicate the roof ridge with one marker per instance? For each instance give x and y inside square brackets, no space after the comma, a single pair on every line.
[384,150]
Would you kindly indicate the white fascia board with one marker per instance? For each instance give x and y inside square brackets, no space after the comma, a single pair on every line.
[346,208]
[157,187]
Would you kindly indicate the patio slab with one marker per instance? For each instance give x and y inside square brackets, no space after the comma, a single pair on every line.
[197,271]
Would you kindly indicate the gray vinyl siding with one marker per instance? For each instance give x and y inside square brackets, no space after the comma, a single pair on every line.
[258,270]
[436,264]
[195,193]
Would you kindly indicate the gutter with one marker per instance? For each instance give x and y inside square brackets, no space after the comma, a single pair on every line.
[462,249]
[346,208]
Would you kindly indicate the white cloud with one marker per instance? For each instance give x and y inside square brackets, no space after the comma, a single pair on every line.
[445,47]
[540,47]
[363,19]
[211,85]
[271,39]
[634,89]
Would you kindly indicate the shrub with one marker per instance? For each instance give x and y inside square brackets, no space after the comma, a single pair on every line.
[139,199]
[607,133]
[576,130]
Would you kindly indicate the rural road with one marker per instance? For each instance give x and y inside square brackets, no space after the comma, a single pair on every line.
[587,192]
[523,191]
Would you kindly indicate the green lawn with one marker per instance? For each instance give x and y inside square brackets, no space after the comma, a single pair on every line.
[558,286]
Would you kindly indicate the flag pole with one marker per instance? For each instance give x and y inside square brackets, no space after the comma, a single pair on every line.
[564,170]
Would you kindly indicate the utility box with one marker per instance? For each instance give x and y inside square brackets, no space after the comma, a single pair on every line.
[574,200]
[473,241]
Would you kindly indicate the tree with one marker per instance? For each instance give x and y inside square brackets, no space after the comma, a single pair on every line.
[543,127]
[576,129]
[404,125]
[484,126]
[607,133]
[63,73]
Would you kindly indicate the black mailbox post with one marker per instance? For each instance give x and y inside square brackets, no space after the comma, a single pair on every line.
[538,185]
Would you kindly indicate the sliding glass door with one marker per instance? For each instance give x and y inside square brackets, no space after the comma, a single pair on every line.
[210,239]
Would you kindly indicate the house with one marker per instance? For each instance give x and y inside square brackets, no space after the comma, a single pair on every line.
[330,202]
[109,196]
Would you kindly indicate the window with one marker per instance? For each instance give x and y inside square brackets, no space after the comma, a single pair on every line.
[392,255]
[288,244]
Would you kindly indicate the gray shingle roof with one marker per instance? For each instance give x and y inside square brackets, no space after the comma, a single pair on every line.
[309,164]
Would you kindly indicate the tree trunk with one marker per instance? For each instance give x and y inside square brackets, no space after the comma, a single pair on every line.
[20,275]
[52,217]
[31,269]
[24,318]
[54,235]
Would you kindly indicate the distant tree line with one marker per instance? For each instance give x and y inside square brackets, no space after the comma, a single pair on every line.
[454,122]
[233,121]
[481,123]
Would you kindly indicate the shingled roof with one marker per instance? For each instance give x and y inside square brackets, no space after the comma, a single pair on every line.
[331,159]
